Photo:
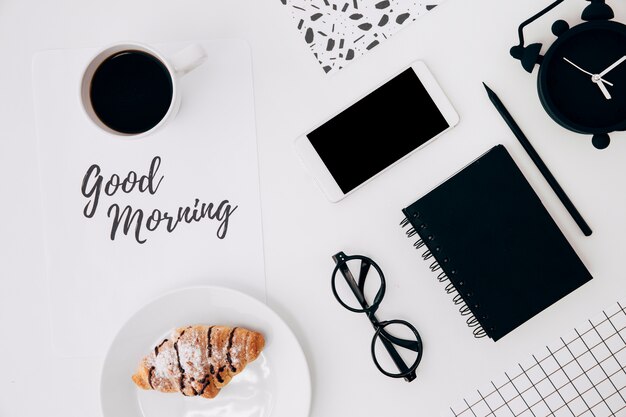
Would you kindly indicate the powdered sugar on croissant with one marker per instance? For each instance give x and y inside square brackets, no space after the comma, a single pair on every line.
[198,360]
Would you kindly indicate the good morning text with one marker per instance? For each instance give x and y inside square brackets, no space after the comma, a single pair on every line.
[139,223]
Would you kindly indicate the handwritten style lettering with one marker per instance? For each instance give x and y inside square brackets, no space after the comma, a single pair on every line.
[130,221]
[136,219]
[91,188]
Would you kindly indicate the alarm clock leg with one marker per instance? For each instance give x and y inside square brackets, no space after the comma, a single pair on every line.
[601,141]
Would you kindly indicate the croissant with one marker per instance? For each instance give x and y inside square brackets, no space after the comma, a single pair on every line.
[198,360]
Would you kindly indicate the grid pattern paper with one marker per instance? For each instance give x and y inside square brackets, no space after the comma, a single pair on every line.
[582,374]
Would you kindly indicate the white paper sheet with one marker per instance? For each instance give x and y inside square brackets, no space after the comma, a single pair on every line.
[207,154]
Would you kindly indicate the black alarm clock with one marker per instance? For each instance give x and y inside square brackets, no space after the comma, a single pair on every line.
[582,76]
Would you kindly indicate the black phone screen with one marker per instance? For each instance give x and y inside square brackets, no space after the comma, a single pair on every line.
[378,130]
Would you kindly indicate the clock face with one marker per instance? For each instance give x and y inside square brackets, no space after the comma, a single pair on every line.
[582,79]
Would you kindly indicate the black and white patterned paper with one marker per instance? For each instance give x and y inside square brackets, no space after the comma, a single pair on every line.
[338,31]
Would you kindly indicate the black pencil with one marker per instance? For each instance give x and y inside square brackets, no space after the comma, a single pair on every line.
[582,224]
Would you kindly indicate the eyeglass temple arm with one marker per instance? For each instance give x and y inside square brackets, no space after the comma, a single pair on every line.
[394,355]
[365,267]
[407,344]
[347,274]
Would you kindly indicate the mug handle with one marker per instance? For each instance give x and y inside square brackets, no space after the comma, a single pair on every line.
[188,59]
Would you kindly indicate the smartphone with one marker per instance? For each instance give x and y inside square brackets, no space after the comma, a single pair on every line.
[387,125]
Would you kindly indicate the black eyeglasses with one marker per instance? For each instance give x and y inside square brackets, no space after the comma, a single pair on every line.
[389,334]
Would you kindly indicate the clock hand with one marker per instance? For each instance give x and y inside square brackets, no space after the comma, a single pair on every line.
[602,88]
[612,67]
[588,73]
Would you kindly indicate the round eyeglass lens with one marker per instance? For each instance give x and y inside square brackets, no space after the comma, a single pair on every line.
[358,284]
[397,348]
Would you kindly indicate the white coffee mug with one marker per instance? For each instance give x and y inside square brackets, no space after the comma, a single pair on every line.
[178,65]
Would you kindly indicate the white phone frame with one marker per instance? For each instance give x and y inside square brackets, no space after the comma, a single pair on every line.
[316,167]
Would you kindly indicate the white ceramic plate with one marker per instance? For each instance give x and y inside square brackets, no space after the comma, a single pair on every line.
[277,384]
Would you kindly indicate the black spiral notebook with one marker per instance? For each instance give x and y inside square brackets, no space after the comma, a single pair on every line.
[487,235]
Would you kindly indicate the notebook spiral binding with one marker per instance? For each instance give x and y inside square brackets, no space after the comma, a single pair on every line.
[472,321]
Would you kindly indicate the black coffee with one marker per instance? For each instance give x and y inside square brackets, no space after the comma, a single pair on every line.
[131,91]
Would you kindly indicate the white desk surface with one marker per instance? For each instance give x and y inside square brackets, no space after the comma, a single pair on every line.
[464,42]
